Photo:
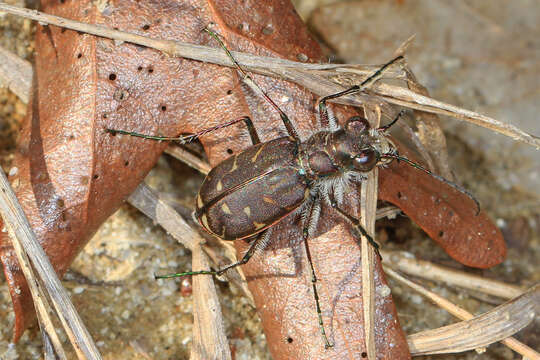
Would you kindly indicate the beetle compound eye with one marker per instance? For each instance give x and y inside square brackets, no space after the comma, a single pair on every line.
[365,160]
[357,126]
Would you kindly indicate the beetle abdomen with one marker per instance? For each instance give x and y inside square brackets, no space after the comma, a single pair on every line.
[249,192]
[256,205]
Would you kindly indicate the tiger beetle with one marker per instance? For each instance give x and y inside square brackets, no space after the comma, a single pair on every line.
[248,193]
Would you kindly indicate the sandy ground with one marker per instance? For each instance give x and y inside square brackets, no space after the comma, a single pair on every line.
[479,55]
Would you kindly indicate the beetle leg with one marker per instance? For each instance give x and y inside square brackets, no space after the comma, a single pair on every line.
[309,224]
[259,243]
[357,230]
[252,131]
[248,79]
[323,110]
[189,138]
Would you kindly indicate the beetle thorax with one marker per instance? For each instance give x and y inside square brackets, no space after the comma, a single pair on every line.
[333,153]
[333,159]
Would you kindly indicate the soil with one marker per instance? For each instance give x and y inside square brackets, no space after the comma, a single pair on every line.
[467,53]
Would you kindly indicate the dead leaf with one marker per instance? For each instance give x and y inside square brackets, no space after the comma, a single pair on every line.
[72,175]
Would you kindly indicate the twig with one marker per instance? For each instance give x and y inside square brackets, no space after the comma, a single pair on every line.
[188,158]
[477,332]
[38,296]
[16,74]
[317,78]
[20,230]
[149,203]
[209,340]
[368,210]
[429,129]
[427,270]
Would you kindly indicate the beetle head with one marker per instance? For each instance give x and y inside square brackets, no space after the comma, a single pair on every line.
[352,146]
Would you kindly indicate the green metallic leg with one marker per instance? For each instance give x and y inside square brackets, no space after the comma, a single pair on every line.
[307,222]
[188,138]
[256,244]
[323,111]
[286,121]
[357,229]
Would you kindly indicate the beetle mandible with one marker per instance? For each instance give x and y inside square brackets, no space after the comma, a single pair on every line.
[246,194]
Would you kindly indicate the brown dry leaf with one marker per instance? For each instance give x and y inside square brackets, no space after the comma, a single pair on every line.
[446,215]
[72,175]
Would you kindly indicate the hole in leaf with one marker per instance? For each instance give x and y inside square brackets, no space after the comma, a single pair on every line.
[112,77]
[146,27]
[302,57]
[289,340]
[230,151]
[267,30]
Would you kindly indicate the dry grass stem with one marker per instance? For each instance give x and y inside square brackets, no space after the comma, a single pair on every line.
[368,201]
[368,210]
[407,264]
[16,74]
[23,236]
[316,78]
[41,304]
[188,158]
[209,340]
[475,332]
[53,348]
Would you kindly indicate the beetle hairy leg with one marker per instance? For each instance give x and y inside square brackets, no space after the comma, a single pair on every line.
[253,247]
[323,110]
[357,230]
[309,224]
[286,121]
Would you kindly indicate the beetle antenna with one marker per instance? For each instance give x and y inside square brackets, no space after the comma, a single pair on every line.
[438,177]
